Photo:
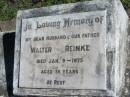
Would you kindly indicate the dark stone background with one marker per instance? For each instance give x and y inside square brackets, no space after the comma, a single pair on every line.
[8,43]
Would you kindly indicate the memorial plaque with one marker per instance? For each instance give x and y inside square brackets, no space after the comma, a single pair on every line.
[64,51]
[71,49]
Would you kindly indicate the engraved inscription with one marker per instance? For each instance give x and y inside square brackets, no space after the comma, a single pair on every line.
[64,51]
